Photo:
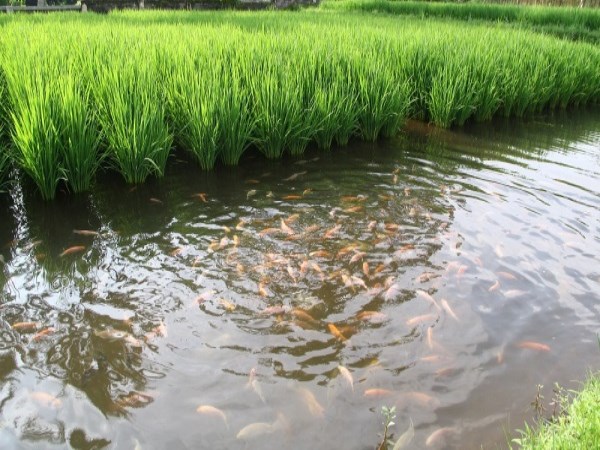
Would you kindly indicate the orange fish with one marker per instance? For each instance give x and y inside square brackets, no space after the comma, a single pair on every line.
[333,231]
[366,269]
[45,399]
[262,291]
[227,305]
[177,251]
[85,232]
[320,254]
[494,286]
[353,209]
[303,315]
[291,197]
[430,337]
[269,231]
[26,326]
[419,398]
[377,392]
[73,250]
[205,296]
[285,228]
[358,256]
[252,181]
[507,276]
[531,345]
[42,333]
[201,196]
[336,332]
[371,316]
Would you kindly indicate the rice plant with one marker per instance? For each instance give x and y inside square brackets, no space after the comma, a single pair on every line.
[132,115]
[236,120]
[194,105]
[125,86]
[78,133]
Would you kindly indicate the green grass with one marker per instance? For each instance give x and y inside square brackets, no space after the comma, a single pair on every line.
[122,88]
[579,428]
[567,22]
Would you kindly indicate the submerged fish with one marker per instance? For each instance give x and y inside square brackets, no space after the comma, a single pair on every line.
[45,399]
[285,228]
[72,250]
[255,385]
[26,326]
[201,196]
[405,438]
[311,402]
[438,435]
[448,309]
[42,333]
[336,332]
[371,316]
[329,234]
[295,176]
[110,334]
[429,298]
[250,193]
[494,286]
[421,319]
[210,410]
[377,392]
[85,232]
[532,345]
[257,429]
[291,197]
[347,375]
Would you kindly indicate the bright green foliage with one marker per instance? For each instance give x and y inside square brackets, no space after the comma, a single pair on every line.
[578,429]
[216,83]
[132,113]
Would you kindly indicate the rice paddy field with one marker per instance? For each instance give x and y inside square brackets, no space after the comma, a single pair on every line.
[83,93]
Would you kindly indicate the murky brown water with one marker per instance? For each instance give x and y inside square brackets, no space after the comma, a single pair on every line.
[449,272]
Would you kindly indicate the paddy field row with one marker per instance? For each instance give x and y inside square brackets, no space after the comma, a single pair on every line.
[82,93]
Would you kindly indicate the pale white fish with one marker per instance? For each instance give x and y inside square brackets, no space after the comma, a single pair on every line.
[311,402]
[255,385]
[429,298]
[347,376]
[261,428]
[405,438]
[448,309]
[438,435]
[254,430]
[210,410]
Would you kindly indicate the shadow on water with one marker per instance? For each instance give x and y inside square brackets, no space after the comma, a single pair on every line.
[407,262]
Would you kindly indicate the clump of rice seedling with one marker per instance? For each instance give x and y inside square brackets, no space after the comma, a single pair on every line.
[35,135]
[279,109]
[235,117]
[382,101]
[132,114]
[78,133]
[194,104]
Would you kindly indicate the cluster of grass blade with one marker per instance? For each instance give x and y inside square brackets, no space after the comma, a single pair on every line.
[579,428]
[130,103]
[52,128]
[571,23]
[122,88]
[4,149]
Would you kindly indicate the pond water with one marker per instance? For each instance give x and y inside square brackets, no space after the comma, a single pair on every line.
[448,273]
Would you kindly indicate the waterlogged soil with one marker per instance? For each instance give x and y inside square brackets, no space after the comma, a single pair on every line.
[282,304]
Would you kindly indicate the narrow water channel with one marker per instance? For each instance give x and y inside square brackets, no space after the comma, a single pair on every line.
[448,272]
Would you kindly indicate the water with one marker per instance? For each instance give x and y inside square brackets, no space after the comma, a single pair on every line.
[194,293]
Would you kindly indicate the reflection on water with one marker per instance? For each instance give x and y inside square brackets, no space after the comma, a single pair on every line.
[444,272]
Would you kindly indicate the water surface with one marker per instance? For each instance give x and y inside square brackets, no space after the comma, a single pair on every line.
[450,272]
